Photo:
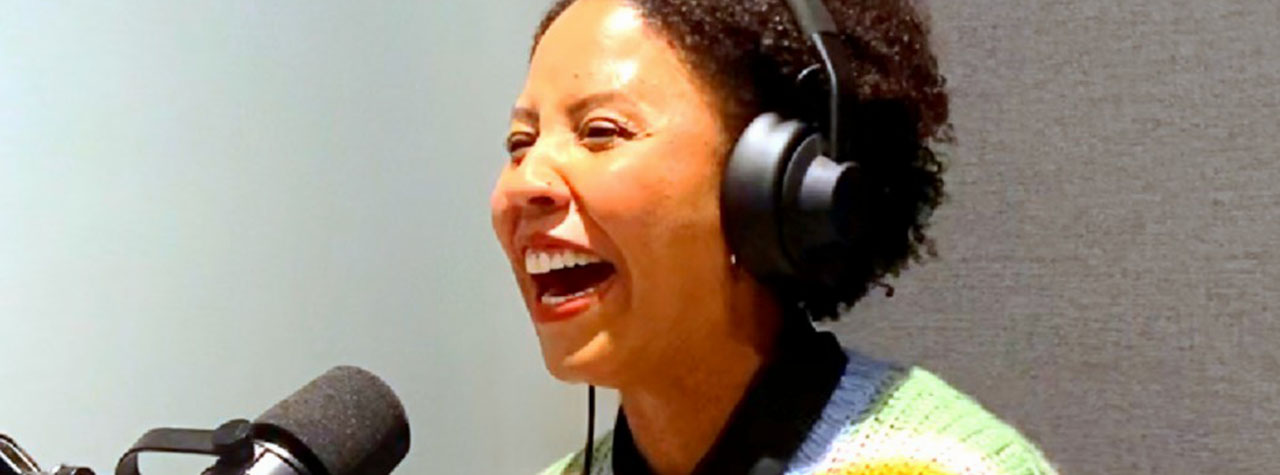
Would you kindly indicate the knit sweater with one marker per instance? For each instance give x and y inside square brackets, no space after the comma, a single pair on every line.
[878,419]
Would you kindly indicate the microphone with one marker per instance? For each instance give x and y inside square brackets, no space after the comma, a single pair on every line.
[15,461]
[345,422]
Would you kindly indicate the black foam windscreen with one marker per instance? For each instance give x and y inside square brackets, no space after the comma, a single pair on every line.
[349,419]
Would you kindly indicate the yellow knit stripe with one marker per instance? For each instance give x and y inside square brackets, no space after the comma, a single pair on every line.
[891,467]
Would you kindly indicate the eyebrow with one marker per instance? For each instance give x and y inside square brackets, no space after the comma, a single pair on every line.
[576,109]
[582,105]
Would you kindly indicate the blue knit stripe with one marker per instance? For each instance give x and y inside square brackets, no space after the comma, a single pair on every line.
[864,380]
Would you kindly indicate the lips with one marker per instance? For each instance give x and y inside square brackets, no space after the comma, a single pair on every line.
[566,280]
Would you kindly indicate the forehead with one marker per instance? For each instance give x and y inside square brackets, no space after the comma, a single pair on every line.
[602,45]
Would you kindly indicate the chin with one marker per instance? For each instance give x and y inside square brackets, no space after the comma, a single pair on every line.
[579,350]
[589,364]
[562,372]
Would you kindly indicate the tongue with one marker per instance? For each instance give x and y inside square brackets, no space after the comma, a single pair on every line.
[559,283]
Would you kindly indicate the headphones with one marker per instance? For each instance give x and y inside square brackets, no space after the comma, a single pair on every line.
[788,195]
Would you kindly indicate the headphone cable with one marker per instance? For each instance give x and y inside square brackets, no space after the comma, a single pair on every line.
[588,453]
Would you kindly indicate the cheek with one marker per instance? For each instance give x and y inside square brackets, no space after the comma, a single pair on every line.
[660,202]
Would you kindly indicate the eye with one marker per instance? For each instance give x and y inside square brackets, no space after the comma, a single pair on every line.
[600,133]
[518,143]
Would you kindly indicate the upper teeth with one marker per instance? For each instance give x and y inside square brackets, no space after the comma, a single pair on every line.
[542,262]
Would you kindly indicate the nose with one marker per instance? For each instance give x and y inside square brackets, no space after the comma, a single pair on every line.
[535,185]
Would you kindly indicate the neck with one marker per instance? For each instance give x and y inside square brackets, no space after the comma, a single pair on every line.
[677,415]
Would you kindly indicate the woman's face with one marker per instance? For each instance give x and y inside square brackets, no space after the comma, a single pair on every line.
[609,207]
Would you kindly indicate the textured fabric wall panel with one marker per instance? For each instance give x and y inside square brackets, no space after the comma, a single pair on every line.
[1109,273]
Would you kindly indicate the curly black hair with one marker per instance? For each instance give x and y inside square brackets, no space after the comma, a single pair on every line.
[749,53]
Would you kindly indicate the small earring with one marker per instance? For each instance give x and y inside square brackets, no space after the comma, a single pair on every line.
[733,260]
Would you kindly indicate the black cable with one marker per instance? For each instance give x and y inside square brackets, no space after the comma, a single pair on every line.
[589,454]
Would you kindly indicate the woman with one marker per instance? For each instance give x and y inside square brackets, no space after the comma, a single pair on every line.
[609,211]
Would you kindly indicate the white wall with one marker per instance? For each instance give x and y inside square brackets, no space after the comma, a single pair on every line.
[206,203]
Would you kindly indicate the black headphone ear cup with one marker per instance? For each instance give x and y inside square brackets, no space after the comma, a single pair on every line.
[751,203]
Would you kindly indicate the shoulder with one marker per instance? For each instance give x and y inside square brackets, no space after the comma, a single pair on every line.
[923,425]
[572,464]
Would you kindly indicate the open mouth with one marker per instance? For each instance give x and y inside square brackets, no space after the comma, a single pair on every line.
[563,275]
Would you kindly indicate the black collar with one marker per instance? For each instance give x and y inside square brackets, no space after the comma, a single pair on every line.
[783,401]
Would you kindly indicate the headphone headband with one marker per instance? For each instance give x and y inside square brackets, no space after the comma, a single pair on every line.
[817,25]
[812,16]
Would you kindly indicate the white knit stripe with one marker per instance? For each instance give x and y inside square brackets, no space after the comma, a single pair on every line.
[870,448]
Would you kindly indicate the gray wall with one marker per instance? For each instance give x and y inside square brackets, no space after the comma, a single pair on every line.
[205,203]
[1110,274]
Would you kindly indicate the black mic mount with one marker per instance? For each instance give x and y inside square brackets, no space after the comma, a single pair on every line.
[238,445]
[15,461]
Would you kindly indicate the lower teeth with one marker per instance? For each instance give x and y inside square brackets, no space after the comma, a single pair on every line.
[559,299]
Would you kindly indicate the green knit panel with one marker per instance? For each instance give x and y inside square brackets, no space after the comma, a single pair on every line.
[925,417]
[560,466]
[572,464]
